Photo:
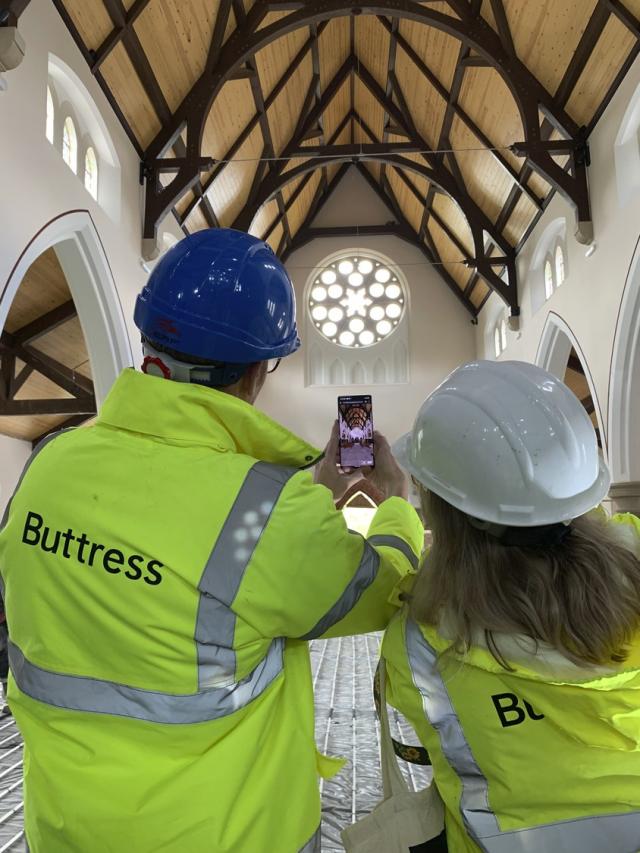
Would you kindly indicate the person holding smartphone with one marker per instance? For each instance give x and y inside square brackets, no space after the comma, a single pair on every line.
[163,570]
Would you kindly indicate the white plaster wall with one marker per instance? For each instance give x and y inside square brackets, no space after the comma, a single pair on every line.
[13,457]
[440,333]
[37,185]
[589,300]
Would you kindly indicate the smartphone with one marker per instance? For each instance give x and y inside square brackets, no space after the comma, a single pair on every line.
[355,424]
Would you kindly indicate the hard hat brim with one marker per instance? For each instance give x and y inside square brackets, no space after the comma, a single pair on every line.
[401,450]
[577,506]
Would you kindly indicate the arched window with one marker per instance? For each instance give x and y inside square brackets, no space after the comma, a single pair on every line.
[559,265]
[496,341]
[91,172]
[50,116]
[70,144]
[548,279]
[503,334]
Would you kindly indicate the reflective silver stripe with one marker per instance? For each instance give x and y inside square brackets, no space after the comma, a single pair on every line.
[225,568]
[40,446]
[5,516]
[95,696]
[615,832]
[397,543]
[313,845]
[363,577]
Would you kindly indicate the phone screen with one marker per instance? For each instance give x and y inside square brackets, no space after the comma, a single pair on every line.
[355,423]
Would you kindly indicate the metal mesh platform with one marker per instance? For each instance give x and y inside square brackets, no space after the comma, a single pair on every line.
[11,833]
[346,725]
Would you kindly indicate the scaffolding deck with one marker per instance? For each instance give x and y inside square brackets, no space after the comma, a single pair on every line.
[346,725]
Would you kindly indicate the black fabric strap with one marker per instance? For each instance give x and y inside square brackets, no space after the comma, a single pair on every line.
[546,536]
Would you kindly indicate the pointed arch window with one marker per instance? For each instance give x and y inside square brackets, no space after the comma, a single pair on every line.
[496,341]
[51,115]
[70,144]
[560,270]
[503,334]
[548,279]
[91,172]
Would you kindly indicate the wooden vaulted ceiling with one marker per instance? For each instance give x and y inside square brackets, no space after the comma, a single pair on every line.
[247,113]
[45,372]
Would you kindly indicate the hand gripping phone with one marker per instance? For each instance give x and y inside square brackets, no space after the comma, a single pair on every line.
[355,424]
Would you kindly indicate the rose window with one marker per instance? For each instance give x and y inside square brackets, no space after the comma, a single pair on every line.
[356,301]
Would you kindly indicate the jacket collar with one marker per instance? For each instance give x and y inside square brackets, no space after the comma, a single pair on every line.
[192,414]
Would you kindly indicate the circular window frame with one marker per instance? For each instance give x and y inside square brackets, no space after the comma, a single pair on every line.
[378,260]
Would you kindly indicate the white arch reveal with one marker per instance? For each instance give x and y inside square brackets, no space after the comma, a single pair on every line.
[553,355]
[84,263]
[624,381]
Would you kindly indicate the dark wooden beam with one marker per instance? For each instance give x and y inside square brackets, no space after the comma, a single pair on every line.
[220,27]
[356,149]
[7,371]
[303,183]
[20,379]
[88,57]
[63,376]
[244,219]
[390,229]
[252,124]
[497,7]
[68,406]
[117,33]
[530,95]
[625,15]
[582,53]
[321,196]
[434,261]
[10,11]
[45,324]
[393,25]
[446,95]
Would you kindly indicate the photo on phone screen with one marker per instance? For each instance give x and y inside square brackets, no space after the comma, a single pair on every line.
[355,423]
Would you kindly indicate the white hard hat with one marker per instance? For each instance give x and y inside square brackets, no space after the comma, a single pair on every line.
[507,443]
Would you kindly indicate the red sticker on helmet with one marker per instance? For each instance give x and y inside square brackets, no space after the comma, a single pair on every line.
[154,366]
[167,325]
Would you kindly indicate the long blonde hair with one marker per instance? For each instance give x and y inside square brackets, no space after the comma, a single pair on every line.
[581,596]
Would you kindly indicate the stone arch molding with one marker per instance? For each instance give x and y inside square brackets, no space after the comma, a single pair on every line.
[553,355]
[84,262]
[624,381]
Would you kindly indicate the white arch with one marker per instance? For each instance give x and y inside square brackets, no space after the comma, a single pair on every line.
[84,263]
[626,151]
[553,355]
[624,381]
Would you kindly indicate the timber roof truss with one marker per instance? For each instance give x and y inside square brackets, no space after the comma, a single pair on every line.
[464,116]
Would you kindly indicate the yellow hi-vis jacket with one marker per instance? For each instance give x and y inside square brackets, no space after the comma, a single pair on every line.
[543,759]
[163,570]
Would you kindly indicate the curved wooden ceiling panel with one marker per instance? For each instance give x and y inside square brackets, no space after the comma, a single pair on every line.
[404,75]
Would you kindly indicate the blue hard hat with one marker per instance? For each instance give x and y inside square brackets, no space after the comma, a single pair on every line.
[220,295]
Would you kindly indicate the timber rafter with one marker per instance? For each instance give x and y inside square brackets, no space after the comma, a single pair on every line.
[552,143]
